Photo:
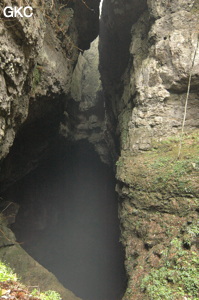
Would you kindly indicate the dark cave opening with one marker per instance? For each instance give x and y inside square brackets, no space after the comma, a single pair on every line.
[68,221]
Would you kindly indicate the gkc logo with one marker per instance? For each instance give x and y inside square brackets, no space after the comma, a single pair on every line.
[13,12]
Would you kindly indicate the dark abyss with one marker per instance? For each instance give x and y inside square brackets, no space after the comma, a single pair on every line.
[68,221]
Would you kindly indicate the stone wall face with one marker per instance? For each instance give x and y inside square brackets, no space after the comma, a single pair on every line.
[145,100]
[37,58]
[88,97]
[150,89]
[147,50]
[19,46]
[162,57]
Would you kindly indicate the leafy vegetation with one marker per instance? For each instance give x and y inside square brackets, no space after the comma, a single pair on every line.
[160,201]
[10,286]
[49,295]
[6,273]
[178,278]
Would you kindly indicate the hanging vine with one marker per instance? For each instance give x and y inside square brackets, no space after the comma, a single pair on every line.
[187,98]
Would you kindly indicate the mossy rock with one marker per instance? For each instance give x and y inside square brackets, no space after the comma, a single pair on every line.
[31,272]
[160,170]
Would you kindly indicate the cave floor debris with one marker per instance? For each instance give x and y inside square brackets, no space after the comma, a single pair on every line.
[14,290]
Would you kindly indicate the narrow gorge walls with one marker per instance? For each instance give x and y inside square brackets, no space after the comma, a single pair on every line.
[64,112]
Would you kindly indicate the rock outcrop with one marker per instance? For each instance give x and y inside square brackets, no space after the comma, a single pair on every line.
[131,111]
[146,80]
[38,56]
[20,43]
[88,98]
[145,75]
[37,59]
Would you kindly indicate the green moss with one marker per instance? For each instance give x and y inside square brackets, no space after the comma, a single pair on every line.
[191,234]
[36,78]
[177,278]
[159,169]
[7,275]
[168,169]
[165,192]
[119,163]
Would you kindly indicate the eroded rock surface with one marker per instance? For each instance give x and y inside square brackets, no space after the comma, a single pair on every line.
[20,43]
[87,92]
[149,99]
[37,59]
[37,62]
[145,94]
[147,49]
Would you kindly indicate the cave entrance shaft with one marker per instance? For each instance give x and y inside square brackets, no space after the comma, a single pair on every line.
[68,221]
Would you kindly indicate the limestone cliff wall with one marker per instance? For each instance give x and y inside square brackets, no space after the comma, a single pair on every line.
[88,97]
[145,73]
[146,68]
[20,44]
[135,114]
[37,59]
